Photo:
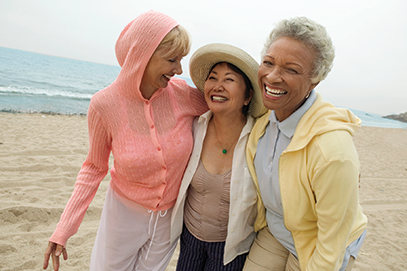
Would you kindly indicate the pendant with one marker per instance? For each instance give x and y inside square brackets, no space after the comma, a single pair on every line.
[224,151]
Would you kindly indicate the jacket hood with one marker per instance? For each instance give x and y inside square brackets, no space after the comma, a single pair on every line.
[135,46]
[322,117]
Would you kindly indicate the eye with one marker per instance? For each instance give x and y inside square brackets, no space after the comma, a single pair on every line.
[230,79]
[211,78]
[291,70]
[175,58]
[267,63]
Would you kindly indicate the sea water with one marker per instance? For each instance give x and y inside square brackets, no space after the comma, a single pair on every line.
[31,82]
[36,83]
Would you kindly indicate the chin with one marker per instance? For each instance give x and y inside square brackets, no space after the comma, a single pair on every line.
[268,104]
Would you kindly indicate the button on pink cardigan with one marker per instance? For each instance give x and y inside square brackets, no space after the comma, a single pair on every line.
[151,140]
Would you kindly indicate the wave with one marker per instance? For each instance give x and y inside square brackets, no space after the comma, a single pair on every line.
[44,112]
[16,90]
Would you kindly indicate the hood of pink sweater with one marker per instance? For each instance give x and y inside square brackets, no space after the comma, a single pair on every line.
[135,46]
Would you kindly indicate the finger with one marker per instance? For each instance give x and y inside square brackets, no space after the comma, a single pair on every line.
[58,250]
[47,254]
[55,262]
[65,253]
[55,259]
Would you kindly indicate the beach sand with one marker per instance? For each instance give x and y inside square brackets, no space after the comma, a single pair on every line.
[40,156]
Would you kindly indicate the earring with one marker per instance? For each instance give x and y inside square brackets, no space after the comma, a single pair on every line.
[306,97]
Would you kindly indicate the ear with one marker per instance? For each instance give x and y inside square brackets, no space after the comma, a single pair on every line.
[247,101]
[313,86]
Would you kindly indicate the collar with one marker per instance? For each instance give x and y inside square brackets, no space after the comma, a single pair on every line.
[288,126]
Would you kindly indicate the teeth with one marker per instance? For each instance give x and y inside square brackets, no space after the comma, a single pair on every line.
[275,92]
[218,99]
[169,77]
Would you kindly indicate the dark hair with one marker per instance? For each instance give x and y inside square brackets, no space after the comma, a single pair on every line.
[249,87]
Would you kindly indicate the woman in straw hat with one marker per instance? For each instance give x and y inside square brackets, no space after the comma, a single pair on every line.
[303,159]
[144,120]
[217,199]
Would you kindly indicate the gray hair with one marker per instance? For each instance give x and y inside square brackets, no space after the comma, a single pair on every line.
[314,36]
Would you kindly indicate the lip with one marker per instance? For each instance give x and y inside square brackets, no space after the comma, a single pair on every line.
[273,93]
[218,98]
[167,77]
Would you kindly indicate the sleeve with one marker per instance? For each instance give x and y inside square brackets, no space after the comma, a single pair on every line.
[197,101]
[93,170]
[335,186]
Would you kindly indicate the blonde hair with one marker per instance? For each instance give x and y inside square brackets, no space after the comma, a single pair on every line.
[176,42]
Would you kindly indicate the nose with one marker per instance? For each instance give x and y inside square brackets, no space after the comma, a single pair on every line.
[274,75]
[218,86]
[178,68]
[213,86]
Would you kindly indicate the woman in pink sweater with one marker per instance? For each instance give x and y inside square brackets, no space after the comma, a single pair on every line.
[144,119]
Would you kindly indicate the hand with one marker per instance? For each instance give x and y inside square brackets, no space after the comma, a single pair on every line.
[55,250]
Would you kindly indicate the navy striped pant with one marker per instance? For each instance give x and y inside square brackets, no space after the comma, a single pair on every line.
[197,255]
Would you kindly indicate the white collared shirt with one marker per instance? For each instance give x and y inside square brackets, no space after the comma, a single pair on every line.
[242,209]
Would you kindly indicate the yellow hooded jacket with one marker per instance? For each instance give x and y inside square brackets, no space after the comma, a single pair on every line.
[319,180]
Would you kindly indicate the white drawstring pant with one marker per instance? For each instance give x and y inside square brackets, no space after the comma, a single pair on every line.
[131,237]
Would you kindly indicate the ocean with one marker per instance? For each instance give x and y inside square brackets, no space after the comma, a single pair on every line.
[36,83]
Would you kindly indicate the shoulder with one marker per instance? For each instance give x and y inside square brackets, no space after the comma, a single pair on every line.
[323,117]
[199,126]
[263,120]
[336,145]
[260,124]
[188,95]
[102,96]
[104,99]
[179,84]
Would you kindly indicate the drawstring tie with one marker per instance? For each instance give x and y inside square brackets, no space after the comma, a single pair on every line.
[161,214]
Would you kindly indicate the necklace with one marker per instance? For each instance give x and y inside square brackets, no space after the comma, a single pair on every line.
[224,150]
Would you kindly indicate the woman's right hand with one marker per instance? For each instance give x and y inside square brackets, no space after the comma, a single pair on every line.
[55,251]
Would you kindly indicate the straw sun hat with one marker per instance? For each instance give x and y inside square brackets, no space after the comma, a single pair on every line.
[208,55]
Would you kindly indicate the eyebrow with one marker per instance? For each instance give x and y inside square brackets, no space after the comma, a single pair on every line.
[289,63]
[228,73]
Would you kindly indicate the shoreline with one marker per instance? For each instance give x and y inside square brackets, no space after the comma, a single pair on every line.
[368,120]
[11,111]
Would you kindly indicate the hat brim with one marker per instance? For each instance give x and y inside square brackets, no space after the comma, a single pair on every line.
[208,55]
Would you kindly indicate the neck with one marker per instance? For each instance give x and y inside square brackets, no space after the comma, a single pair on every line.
[227,131]
[227,125]
[147,91]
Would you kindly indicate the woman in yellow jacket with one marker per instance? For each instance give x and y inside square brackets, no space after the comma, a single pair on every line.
[303,160]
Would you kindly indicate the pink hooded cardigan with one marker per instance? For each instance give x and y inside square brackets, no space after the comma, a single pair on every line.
[151,140]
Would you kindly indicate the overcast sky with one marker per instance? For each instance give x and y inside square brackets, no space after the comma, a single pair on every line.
[370,36]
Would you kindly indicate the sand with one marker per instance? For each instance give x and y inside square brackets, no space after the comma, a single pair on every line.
[40,156]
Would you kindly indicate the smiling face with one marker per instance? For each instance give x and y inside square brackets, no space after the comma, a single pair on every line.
[225,91]
[285,76]
[159,71]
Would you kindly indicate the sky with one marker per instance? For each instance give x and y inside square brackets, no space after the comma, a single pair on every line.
[370,36]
